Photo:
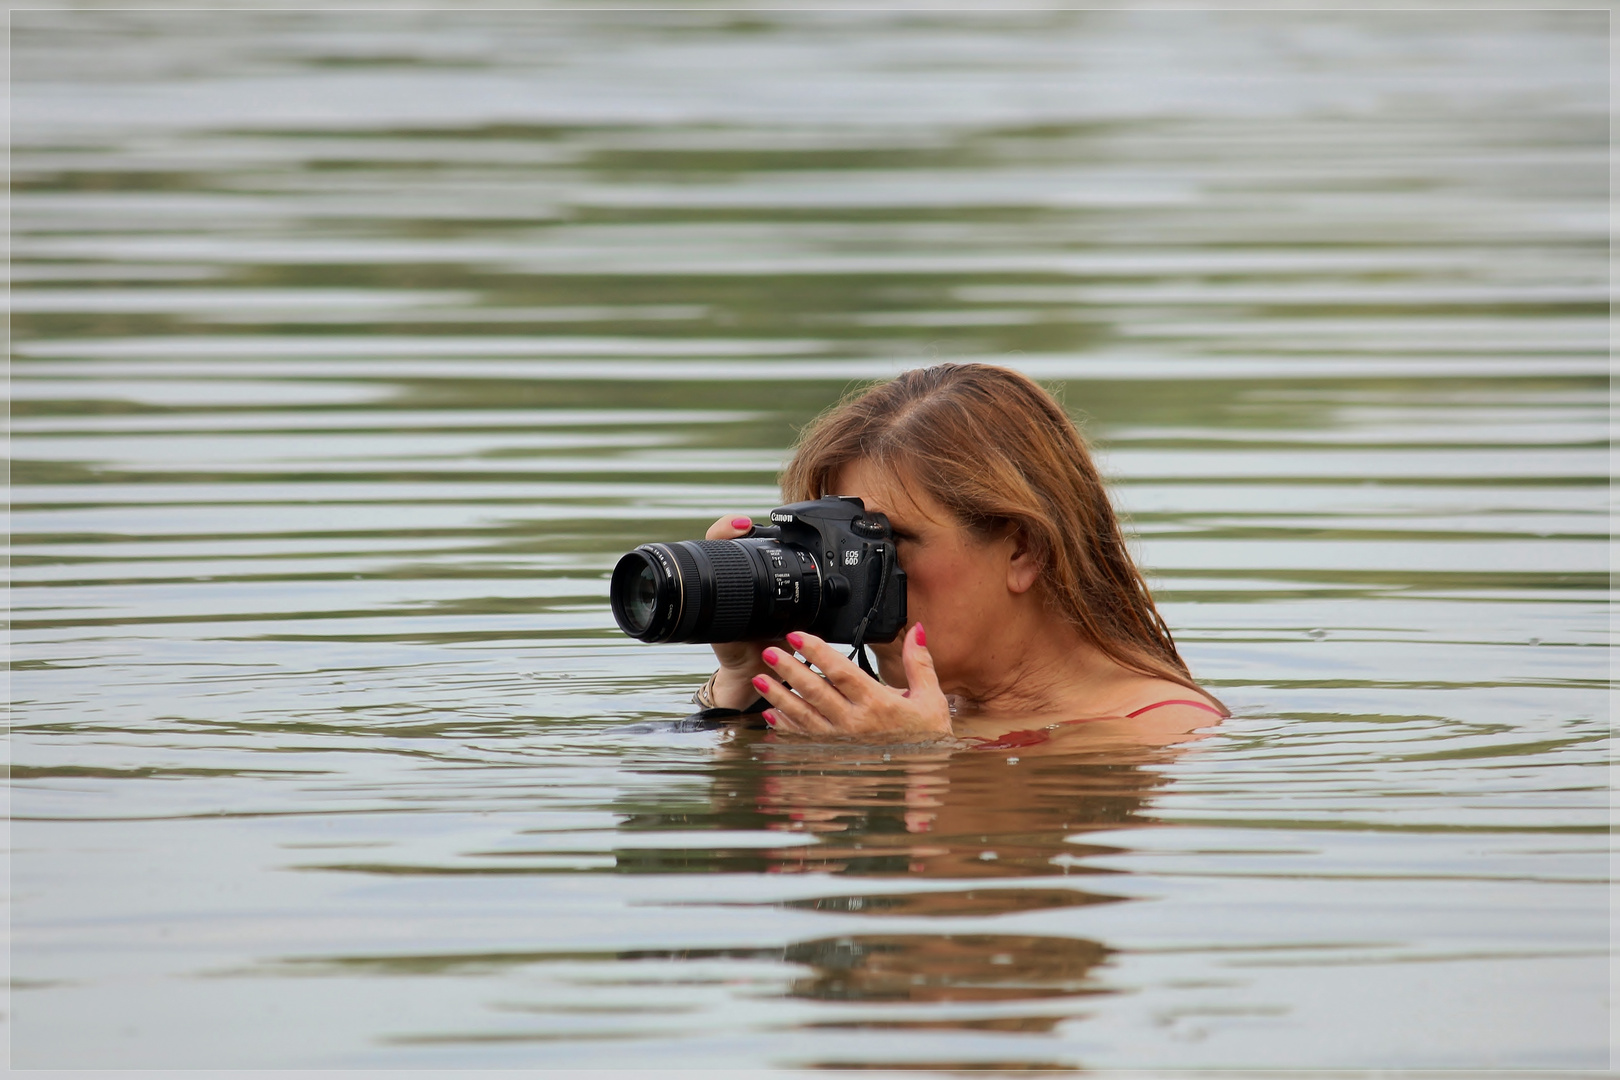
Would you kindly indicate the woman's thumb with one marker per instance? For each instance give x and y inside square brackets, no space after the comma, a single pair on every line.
[729,526]
[919,664]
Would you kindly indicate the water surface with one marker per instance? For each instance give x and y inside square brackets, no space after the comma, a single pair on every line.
[350,350]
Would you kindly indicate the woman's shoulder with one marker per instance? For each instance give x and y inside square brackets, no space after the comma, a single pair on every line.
[1162,700]
[1183,704]
[1154,711]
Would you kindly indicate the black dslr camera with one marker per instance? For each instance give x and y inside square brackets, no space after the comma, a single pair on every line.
[827,566]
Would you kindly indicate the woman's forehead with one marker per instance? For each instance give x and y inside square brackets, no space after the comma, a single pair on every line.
[888,490]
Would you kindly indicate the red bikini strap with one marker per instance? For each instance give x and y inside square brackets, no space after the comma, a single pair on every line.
[1014,739]
[1206,706]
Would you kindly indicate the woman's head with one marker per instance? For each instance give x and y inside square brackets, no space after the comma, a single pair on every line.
[1002,457]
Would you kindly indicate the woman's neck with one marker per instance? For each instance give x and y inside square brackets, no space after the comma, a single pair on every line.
[1044,668]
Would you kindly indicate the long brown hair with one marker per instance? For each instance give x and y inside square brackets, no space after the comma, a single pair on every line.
[998,451]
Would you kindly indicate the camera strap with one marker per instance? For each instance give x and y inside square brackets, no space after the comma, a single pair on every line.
[858,653]
[860,657]
[715,717]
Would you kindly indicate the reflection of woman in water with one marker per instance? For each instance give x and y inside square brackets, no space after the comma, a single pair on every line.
[1027,613]
[915,835]
[949,814]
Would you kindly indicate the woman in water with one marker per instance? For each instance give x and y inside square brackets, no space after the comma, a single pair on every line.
[1027,612]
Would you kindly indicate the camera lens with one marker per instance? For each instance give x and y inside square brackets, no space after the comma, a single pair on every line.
[715,590]
[642,599]
[646,592]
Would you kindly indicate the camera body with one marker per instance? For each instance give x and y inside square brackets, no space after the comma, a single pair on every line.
[826,566]
[854,544]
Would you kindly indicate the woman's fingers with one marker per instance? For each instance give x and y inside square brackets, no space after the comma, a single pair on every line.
[849,702]
[818,706]
[730,527]
[789,713]
[843,673]
[921,679]
[923,693]
[815,690]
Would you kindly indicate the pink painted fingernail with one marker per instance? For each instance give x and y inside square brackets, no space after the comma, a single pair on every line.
[922,638]
[770,717]
[761,683]
[796,640]
[771,657]
[741,523]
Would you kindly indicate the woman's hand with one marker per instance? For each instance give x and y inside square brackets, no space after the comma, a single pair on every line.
[739,660]
[849,703]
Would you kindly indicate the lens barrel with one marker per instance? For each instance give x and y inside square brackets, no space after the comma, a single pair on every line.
[715,590]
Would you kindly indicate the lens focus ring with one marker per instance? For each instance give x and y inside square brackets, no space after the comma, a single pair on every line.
[691,591]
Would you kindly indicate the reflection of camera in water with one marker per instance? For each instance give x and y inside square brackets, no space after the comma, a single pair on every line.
[826,566]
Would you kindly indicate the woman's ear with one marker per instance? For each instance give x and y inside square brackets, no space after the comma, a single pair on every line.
[1024,562]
